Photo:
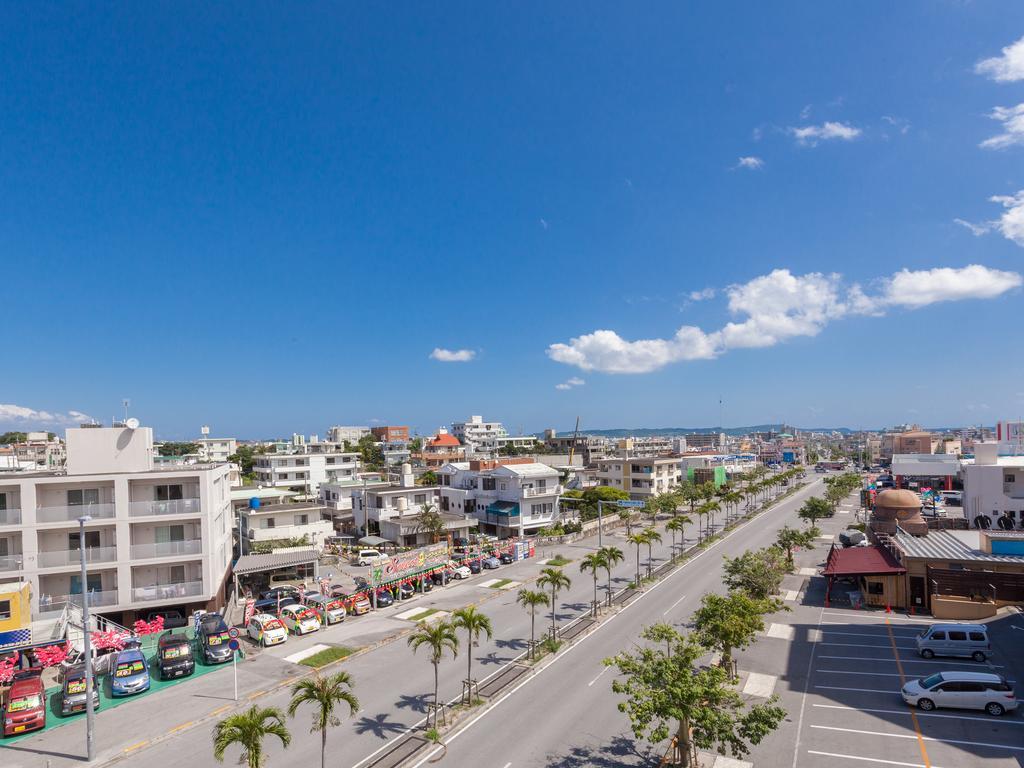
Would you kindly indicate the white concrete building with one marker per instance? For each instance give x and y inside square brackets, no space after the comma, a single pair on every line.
[217,449]
[156,537]
[285,521]
[993,486]
[641,478]
[305,470]
[352,434]
[510,497]
[477,433]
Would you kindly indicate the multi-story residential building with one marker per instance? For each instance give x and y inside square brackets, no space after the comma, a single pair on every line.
[655,445]
[993,486]
[155,538]
[305,469]
[39,451]
[393,512]
[285,521]
[510,497]
[476,432]
[588,448]
[391,434]
[706,440]
[347,434]
[915,441]
[443,448]
[217,449]
[640,477]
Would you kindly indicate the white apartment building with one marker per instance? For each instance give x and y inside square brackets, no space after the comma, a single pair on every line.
[351,434]
[285,521]
[305,470]
[510,497]
[641,478]
[156,538]
[476,433]
[993,486]
[217,449]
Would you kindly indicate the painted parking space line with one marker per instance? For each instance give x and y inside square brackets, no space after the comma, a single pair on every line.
[808,571]
[870,759]
[828,632]
[889,691]
[858,672]
[869,645]
[791,595]
[913,716]
[875,660]
[781,631]
[875,617]
[989,720]
[991,745]
[760,685]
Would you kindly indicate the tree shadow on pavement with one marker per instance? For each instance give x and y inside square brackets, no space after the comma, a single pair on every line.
[493,658]
[416,703]
[515,644]
[620,752]
[379,726]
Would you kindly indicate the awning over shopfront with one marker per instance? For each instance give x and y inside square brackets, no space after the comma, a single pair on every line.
[506,508]
[247,564]
[861,561]
[373,541]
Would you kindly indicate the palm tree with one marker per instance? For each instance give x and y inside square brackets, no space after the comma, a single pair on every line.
[626,516]
[438,637]
[430,521]
[612,556]
[475,624]
[593,562]
[248,729]
[650,536]
[712,508]
[677,525]
[638,540]
[556,581]
[531,599]
[325,694]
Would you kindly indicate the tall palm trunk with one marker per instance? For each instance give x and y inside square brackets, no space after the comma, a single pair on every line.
[323,748]
[638,566]
[650,547]
[533,632]
[435,693]
[609,571]
[595,591]
[553,630]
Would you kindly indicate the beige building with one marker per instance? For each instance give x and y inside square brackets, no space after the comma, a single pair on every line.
[641,478]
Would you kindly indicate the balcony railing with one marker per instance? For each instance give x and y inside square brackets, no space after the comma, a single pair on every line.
[546,491]
[167,591]
[167,549]
[73,512]
[56,558]
[10,563]
[97,599]
[171,507]
[10,517]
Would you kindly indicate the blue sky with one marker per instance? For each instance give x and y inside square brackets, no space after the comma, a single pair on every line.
[267,219]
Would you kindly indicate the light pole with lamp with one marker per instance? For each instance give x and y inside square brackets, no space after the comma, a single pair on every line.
[90,741]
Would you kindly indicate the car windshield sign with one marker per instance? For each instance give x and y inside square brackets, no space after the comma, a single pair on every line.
[305,615]
[128,668]
[218,638]
[22,703]
[175,652]
[273,624]
[76,685]
[335,605]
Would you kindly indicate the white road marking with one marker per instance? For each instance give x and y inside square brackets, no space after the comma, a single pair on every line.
[295,658]
[598,677]
[874,660]
[760,685]
[791,595]
[986,719]
[861,690]
[781,631]
[508,765]
[677,602]
[829,632]
[858,672]
[923,738]
[870,645]
[824,538]
[874,617]
[803,697]
[870,759]
[808,571]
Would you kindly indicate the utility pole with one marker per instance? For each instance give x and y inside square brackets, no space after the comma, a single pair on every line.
[90,741]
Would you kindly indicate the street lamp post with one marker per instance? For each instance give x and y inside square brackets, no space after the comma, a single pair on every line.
[90,741]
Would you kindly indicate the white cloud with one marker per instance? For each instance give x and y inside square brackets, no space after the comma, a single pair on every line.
[1011,223]
[777,307]
[750,162]
[805,112]
[901,124]
[1006,68]
[976,229]
[1012,119]
[810,135]
[452,355]
[702,295]
[24,416]
[575,381]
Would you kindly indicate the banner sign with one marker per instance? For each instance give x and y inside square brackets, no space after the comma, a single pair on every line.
[407,564]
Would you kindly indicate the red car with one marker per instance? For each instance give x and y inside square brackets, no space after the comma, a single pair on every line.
[25,707]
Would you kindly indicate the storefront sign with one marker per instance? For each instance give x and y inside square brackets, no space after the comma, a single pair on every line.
[408,564]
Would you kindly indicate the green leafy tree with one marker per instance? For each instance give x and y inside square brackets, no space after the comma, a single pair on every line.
[758,573]
[428,478]
[245,457]
[9,438]
[731,622]
[814,509]
[437,637]
[475,623]
[662,633]
[531,600]
[788,539]
[416,446]
[248,729]
[370,452]
[555,580]
[667,693]
[326,694]
[612,556]
[593,562]
[178,449]
[589,497]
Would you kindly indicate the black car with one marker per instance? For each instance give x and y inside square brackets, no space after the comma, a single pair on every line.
[506,558]
[474,565]
[270,605]
[384,598]
[425,585]
[440,578]
[285,591]
[174,656]
[406,591]
[214,639]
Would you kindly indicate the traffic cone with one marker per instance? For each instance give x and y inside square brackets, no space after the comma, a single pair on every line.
[911,610]
[887,608]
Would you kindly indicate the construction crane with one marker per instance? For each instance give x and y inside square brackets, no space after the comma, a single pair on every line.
[575,436]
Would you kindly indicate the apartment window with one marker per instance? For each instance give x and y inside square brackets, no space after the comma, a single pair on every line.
[93,583]
[489,484]
[4,548]
[380,502]
[268,523]
[1010,479]
[80,497]
[541,509]
[167,533]
[5,609]
[419,498]
[177,574]
[3,501]
[168,492]
[302,519]
[92,539]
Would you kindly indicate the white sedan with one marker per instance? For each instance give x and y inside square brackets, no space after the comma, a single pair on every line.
[460,571]
[299,619]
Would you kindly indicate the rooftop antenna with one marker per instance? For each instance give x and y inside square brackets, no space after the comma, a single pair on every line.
[126,402]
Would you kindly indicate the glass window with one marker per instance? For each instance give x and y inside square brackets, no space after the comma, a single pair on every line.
[938,636]
[5,609]
[168,492]
[92,539]
[970,686]
[81,496]
[932,680]
[177,574]
[3,501]
[977,636]
[166,533]
[960,636]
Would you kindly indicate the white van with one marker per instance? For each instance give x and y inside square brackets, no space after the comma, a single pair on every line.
[370,557]
[968,640]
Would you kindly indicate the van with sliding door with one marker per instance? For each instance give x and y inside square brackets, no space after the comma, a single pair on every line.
[966,640]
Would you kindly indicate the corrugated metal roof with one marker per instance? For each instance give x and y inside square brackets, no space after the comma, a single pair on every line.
[861,561]
[949,545]
[256,563]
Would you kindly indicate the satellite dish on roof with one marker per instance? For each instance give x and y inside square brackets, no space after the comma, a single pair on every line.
[132,423]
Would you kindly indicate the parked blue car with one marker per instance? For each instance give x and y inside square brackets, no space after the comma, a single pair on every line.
[130,674]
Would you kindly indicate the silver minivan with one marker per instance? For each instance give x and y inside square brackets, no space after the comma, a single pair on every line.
[967,640]
[961,690]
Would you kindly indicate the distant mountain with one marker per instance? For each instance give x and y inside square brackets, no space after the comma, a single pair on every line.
[677,431]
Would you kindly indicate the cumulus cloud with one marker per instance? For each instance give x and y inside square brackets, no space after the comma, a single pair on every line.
[1012,119]
[575,381]
[23,416]
[780,306]
[452,355]
[1007,68]
[702,295]
[1011,223]
[750,162]
[810,135]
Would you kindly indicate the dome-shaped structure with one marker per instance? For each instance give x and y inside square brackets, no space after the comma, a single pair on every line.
[898,508]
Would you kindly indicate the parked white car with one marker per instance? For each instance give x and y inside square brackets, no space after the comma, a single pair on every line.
[371,557]
[266,629]
[460,571]
[299,619]
[961,690]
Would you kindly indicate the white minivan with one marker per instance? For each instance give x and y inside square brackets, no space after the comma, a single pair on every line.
[961,690]
[370,557]
[966,640]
